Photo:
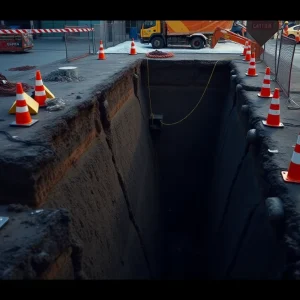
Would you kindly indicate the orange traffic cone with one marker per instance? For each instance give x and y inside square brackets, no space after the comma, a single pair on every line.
[23,117]
[273,119]
[132,49]
[101,54]
[265,91]
[39,91]
[293,173]
[252,67]
[245,49]
[248,53]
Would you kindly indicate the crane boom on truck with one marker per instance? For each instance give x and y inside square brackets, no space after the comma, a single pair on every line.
[229,35]
[160,34]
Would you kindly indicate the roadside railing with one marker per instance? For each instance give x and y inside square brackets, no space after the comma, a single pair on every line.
[279,56]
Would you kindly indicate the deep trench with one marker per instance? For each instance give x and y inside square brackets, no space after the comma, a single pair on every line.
[180,202]
[186,154]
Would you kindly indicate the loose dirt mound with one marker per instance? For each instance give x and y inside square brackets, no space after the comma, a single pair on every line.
[159,54]
[23,68]
[9,88]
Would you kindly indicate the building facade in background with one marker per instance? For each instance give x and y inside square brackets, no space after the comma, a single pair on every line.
[133,24]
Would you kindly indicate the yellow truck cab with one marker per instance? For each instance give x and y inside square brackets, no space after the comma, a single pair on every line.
[160,34]
[150,28]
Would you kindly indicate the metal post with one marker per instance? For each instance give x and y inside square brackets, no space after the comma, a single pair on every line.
[89,42]
[276,69]
[66,47]
[105,44]
[113,33]
[276,48]
[276,62]
[93,39]
[291,67]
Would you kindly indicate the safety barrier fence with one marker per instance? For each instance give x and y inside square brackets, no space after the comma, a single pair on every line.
[52,30]
[270,55]
[77,42]
[285,63]
[279,56]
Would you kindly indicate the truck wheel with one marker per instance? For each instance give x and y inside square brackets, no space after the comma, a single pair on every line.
[197,42]
[157,42]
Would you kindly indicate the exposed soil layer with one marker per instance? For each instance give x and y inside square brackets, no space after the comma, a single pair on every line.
[35,244]
[185,202]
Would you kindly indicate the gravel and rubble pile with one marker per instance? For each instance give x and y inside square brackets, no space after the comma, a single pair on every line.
[55,104]
[56,76]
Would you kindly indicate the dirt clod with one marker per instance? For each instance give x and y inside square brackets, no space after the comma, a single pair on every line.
[17,208]
[41,261]
[29,222]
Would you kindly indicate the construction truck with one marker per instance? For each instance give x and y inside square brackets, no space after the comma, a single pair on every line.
[160,34]
[15,42]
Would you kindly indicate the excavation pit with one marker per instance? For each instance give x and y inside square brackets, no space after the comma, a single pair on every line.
[186,201]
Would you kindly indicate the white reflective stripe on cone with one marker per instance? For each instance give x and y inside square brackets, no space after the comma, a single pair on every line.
[275,101]
[39,82]
[268,77]
[42,93]
[251,67]
[274,112]
[266,86]
[21,109]
[20,97]
[296,158]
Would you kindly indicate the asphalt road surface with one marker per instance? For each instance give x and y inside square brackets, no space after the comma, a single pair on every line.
[44,52]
